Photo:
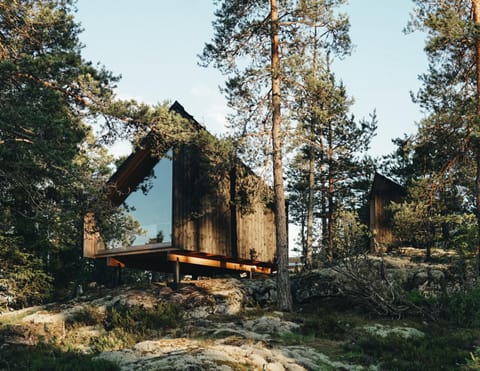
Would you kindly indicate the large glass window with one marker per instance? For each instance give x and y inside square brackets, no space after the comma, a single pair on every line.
[153,209]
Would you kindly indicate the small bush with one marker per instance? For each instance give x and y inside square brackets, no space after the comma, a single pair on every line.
[22,274]
[328,326]
[462,308]
[88,316]
[139,319]
[115,339]
[473,362]
[436,351]
[47,357]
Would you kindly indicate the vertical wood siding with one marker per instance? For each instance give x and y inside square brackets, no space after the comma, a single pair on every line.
[204,223]
[383,193]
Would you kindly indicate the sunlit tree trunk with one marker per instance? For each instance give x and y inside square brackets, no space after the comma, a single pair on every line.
[330,176]
[283,285]
[323,202]
[308,253]
[311,172]
[476,19]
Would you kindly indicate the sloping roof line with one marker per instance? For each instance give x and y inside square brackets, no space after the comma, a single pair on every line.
[138,165]
[381,184]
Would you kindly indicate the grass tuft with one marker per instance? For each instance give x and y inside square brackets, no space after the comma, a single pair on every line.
[43,357]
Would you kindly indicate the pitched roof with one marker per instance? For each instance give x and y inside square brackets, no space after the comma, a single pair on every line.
[382,185]
[140,163]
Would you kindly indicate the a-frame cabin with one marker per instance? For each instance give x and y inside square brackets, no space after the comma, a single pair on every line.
[182,227]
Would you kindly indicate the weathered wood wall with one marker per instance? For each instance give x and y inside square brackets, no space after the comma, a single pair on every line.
[92,242]
[256,231]
[384,192]
[204,220]
[199,224]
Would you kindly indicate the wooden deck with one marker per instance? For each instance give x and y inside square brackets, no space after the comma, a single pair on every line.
[134,250]
[163,257]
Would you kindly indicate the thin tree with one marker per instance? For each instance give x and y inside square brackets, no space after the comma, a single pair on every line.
[308,64]
[283,286]
[339,146]
[476,21]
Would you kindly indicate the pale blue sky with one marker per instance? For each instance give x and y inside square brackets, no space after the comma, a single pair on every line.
[153,44]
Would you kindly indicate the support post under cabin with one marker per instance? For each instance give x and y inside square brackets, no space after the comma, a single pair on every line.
[177,271]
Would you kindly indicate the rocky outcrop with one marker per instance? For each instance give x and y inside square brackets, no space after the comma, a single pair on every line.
[429,281]
[261,292]
[273,325]
[225,354]
[213,335]
[317,284]
[40,325]
[385,331]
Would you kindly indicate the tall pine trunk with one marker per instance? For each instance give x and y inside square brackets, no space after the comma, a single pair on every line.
[308,253]
[311,189]
[476,19]
[284,295]
[331,221]
[323,201]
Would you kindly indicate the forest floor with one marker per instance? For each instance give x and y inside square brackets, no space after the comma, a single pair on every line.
[215,325]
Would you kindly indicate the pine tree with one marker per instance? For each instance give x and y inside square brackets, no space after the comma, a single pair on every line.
[246,46]
[47,179]
[338,147]
[448,140]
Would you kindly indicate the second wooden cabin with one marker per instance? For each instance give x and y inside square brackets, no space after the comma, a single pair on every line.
[384,191]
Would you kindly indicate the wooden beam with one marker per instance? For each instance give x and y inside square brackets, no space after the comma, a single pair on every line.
[218,262]
[112,262]
[135,250]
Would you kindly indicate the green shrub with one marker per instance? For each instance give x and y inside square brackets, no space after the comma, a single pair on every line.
[138,319]
[45,357]
[328,326]
[115,339]
[22,274]
[473,362]
[87,316]
[462,308]
[442,350]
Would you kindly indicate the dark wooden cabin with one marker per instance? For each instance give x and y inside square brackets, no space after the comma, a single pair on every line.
[384,191]
[200,230]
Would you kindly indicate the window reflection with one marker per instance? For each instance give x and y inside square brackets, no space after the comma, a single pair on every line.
[153,209]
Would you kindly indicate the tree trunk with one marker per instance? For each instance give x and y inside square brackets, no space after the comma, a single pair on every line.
[311,185]
[303,240]
[476,19]
[323,202]
[311,168]
[284,295]
[331,222]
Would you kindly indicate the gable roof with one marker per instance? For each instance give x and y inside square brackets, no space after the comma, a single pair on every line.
[383,185]
[140,163]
